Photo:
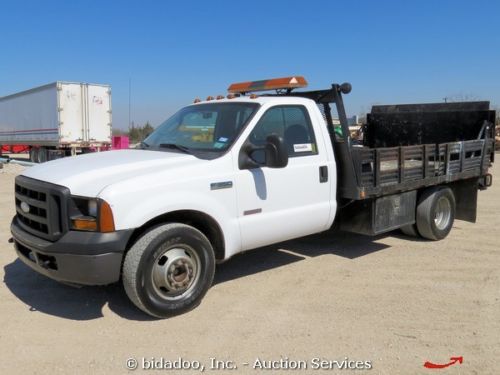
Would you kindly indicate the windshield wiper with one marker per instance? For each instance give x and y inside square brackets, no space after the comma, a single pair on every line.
[175,146]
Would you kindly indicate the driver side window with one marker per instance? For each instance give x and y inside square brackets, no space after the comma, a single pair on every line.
[290,122]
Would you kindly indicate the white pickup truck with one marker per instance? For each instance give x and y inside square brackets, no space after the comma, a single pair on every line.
[234,173]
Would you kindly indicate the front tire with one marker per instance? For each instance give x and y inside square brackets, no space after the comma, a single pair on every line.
[168,270]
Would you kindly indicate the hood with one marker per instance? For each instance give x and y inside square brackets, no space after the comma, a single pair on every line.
[88,174]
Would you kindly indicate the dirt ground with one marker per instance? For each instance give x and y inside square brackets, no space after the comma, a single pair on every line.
[394,301]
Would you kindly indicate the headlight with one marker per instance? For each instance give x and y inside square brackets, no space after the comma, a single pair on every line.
[92,207]
[90,214]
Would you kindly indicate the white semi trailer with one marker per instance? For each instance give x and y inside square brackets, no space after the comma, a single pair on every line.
[58,119]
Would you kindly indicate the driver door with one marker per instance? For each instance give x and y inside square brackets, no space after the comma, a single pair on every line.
[277,204]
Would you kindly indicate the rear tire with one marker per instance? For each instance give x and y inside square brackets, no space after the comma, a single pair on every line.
[436,213]
[169,270]
[410,230]
[42,155]
[34,154]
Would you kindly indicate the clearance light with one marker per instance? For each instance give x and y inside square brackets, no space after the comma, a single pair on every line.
[268,84]
[254,96]
[231,96]
[219,97]
[210,98]
[197,100]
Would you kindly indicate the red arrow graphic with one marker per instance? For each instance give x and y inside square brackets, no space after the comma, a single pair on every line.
[452,359]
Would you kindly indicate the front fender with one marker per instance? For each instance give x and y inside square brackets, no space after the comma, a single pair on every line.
[129,212]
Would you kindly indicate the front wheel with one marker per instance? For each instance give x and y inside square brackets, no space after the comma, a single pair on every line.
[169,270]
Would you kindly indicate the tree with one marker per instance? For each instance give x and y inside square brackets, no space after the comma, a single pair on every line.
[134,134]
[147,130]
[137,134]
[118,132]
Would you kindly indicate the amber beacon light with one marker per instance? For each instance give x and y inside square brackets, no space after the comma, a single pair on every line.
[268,84]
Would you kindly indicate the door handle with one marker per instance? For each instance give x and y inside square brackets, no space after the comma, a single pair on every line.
[323,174]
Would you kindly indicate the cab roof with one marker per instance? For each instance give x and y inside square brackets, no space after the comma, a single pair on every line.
[282,99]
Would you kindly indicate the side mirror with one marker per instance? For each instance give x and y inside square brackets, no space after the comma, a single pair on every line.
[273,154]
[276,152]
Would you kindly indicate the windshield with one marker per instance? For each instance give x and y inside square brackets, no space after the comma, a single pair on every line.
[211,127]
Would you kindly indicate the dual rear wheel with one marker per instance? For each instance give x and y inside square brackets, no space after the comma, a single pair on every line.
[38,154]
[435,214]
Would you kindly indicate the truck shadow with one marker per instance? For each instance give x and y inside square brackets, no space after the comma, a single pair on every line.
[44,295]
[347,245]
[47,296]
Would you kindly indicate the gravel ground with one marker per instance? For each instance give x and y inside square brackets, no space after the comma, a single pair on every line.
[11,169]
[391,300]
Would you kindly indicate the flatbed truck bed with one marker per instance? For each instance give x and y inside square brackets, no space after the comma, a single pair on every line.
[407,149]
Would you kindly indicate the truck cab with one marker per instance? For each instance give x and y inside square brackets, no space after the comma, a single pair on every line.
[219,177]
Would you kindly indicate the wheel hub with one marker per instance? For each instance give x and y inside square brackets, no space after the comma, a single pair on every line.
[174,272]
[443,213]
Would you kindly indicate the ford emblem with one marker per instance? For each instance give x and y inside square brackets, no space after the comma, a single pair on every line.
[25,207]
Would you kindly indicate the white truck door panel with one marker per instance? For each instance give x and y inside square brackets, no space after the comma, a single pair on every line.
[85,113]
[99,113]
[71,114]
[277,204]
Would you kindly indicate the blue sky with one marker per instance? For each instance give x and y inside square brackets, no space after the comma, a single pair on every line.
[391,51]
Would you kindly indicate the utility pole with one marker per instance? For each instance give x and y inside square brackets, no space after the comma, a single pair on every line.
[129,99]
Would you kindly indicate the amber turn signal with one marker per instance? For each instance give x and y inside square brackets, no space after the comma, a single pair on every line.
[84,223]
[106,221]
